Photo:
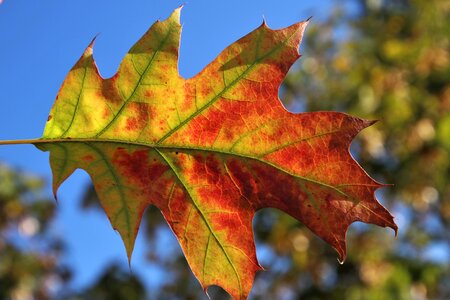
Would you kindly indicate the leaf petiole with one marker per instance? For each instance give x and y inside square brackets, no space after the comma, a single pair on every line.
[20,142]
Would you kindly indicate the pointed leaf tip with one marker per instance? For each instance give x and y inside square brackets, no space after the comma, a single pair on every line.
[263,23]
[176,14]
[55,191]
[90,48]
[395,228]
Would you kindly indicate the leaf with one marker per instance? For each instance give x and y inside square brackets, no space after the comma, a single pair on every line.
[209,151]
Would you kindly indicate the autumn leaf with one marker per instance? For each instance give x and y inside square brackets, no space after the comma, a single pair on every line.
[209,151]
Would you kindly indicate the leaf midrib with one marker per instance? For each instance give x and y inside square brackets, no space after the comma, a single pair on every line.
[176,147]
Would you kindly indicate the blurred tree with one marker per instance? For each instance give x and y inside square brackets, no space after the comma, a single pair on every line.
[29,252]
[114,284]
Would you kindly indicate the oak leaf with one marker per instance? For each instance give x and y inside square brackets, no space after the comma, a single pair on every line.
[209,151]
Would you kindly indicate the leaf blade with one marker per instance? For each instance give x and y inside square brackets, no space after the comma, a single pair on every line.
[209,151]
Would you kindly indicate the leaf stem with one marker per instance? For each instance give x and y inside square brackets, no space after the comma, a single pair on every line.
[20,142]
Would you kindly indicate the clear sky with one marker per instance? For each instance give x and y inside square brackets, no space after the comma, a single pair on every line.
[39,43]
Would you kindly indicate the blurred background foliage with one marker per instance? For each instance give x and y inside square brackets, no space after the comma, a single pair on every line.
[29,252]
[385,60]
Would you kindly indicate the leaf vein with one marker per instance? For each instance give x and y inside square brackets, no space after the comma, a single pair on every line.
[196,205]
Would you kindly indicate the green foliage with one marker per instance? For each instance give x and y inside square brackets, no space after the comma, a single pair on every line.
[114,284]
[29,254]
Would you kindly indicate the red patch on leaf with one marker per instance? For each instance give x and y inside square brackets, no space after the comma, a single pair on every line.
[149,94]
[132,124]
[246,182]
[136,168]
[110,91]
[106,113]
[88,158]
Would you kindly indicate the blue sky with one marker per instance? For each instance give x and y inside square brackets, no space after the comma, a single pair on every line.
[39,43]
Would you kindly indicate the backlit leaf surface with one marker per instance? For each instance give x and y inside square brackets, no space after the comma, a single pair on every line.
[209,151]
